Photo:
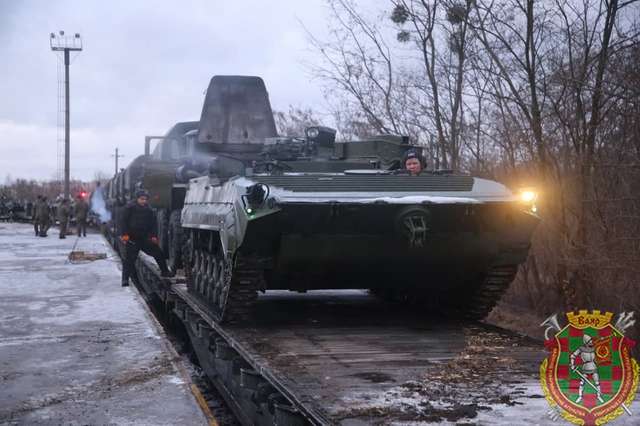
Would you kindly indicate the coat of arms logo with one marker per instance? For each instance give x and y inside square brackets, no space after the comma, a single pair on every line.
[589,377]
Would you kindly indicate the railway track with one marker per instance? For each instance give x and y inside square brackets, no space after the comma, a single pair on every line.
[348,358]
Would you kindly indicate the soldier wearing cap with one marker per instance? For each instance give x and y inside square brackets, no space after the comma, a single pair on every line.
[412,162]
[43,216]
[64,211]
[81,211]
[138,232]
[36,223]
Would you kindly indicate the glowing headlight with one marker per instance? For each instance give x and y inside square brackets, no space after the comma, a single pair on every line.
[528,196]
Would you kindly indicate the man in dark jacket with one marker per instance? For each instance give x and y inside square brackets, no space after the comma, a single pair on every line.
[81,210]
[138,232]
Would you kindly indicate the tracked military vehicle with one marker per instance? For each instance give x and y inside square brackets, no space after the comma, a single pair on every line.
[241,104]
[304,213]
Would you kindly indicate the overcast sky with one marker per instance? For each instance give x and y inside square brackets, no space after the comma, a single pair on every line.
[145,65]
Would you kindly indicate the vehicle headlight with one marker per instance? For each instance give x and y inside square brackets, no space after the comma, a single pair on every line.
[529,197]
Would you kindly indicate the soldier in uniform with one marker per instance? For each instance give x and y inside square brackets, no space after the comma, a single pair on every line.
[587,354]
[63,217]
[81,211]
[43,216]
[412,162]
[36,224]
[138,232]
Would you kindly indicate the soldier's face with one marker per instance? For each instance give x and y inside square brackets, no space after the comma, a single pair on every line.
[413,165]
[142,201]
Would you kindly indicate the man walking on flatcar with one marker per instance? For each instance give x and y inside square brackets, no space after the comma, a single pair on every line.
[138,232]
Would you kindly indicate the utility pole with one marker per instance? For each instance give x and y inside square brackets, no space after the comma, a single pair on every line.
[117,156]
[61,43]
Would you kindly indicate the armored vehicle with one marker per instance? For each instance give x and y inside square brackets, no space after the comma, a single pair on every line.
[236,108]
[156,170]
[304,213]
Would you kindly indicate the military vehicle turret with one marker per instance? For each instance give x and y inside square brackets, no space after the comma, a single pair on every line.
[236,108]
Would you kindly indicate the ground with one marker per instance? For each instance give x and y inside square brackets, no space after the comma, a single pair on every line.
[76,347]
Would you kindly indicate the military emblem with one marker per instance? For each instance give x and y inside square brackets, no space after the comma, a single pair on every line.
[589,377]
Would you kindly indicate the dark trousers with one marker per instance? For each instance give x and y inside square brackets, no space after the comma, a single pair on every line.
[36,227]
[63,228]
[131,250]
[82,226]
[44,227]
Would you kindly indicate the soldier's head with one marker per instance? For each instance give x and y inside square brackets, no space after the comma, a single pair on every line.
[412,162]
[142,197]
[587,340]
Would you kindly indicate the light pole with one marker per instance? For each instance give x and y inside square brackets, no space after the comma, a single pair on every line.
[61,43]
[117,156]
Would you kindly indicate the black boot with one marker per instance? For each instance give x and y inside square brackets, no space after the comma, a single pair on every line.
[125,282]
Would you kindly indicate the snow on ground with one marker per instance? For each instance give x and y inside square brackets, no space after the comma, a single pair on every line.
[469,389]
[76,347]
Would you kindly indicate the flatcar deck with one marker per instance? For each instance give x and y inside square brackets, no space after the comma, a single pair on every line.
[343,354]
[347,358]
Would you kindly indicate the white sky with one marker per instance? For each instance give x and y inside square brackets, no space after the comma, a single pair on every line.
[145,66]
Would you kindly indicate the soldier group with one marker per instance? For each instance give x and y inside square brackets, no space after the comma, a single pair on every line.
[43,213]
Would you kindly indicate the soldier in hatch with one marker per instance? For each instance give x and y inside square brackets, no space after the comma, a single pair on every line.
[138,232]
[412,162]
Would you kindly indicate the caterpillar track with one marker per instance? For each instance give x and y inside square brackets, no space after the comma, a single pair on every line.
[489,292]
[471,300]
[227,287]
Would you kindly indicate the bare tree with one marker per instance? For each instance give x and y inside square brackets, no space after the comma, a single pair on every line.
[439,30]
[357,61]
[295,121]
